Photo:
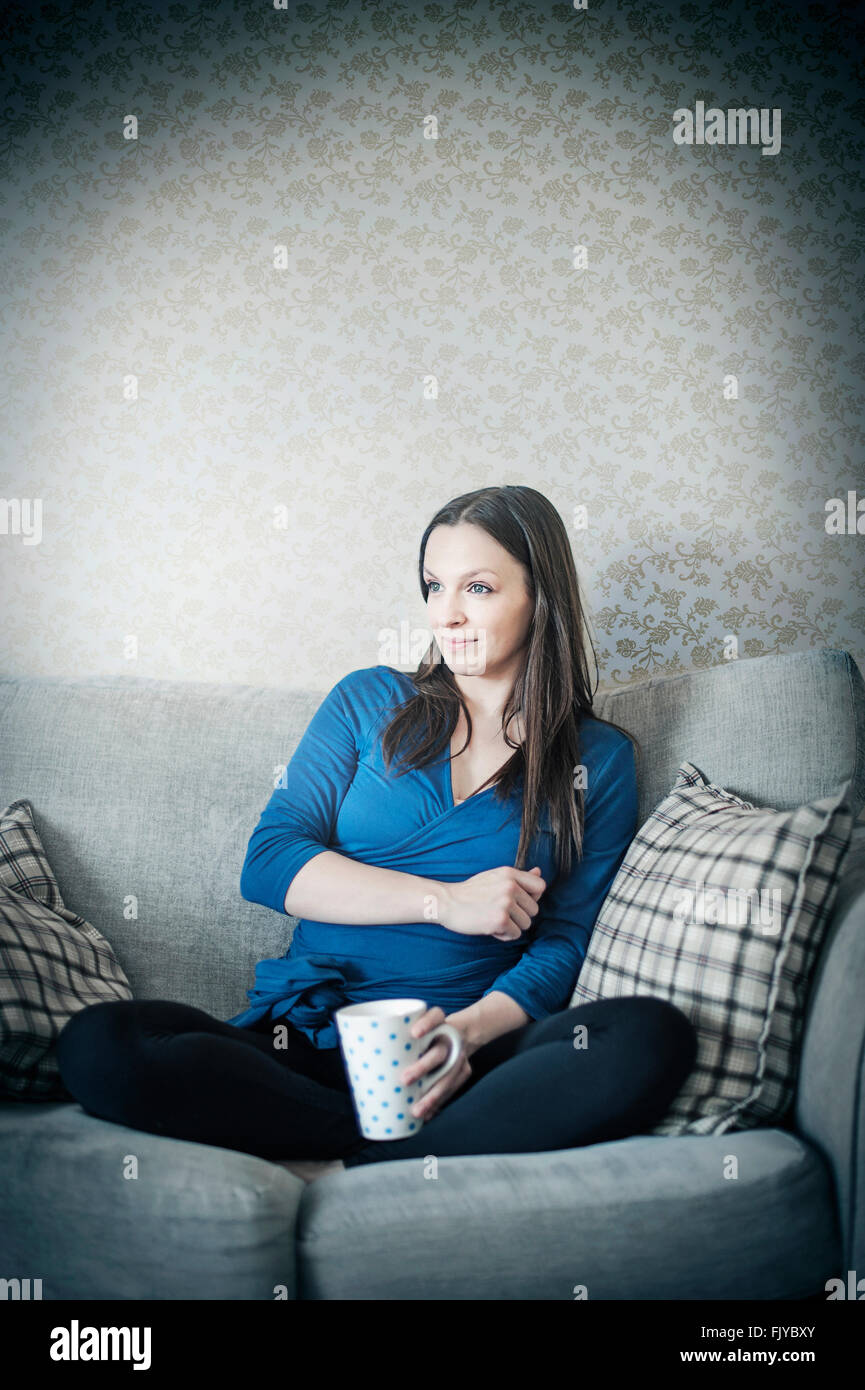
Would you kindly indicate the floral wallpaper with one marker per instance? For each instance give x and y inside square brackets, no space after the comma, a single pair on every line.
[281,279]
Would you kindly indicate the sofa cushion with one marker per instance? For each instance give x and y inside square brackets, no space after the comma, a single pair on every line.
[720,907]
[52,963]
[640,1218]
[24,864]
[98,1211]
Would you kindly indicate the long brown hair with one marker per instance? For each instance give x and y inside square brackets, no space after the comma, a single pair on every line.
[551,694]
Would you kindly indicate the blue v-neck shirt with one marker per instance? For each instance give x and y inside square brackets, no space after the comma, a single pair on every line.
[336,795]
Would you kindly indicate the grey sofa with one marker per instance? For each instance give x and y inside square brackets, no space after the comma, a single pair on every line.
[145,793]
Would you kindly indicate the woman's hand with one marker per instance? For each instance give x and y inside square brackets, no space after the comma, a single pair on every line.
[498,902]
[426,1106]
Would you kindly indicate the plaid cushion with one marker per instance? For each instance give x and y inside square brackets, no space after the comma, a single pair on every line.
[52,963]
[677,923]
[23,864]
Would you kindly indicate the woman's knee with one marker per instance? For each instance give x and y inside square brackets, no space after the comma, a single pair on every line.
[105,1024]
[94,1025]
[665,1031]
[91,1041]
[115,1022]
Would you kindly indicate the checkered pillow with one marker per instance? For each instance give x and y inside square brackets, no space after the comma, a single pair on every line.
[677,923]
[52,963]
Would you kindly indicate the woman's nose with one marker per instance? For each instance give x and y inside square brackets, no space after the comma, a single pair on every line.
[449,611]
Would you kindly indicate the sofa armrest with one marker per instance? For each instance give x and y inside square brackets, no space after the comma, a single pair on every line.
[830,1097]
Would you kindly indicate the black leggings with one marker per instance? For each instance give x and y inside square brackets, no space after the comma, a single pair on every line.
[172,1069]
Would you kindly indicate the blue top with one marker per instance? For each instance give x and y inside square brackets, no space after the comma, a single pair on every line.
[337,795]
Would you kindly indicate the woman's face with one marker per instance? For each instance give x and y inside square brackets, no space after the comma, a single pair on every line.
[478,606]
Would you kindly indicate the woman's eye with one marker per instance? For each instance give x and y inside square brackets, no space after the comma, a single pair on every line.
[431,583]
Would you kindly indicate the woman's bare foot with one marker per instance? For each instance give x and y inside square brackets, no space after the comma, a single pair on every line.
[309,1169]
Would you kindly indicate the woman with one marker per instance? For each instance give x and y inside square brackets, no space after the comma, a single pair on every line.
[412,883]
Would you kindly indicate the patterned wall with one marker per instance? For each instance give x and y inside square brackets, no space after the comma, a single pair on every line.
[235,457]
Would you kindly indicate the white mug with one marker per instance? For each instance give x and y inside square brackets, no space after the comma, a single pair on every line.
[377,1047]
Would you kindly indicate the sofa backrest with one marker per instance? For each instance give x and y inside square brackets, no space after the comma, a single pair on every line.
[145,792]
[778,730]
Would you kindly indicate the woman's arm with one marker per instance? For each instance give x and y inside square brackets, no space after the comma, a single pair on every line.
[290,867]
[488,1018]
[333,888]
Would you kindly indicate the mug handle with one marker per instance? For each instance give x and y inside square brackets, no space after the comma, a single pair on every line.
[443,1030]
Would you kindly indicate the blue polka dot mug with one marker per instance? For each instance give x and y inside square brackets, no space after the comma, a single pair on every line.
[377,1047]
